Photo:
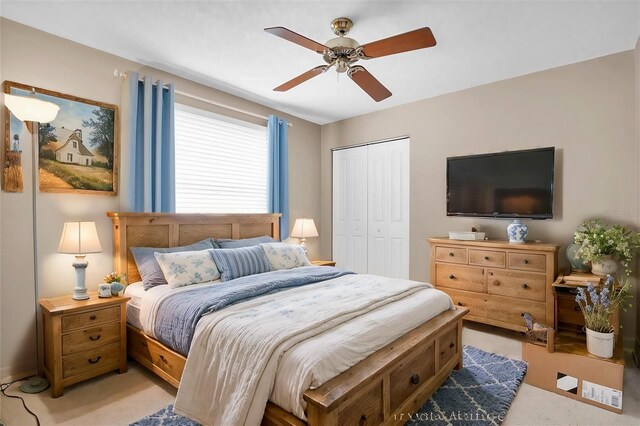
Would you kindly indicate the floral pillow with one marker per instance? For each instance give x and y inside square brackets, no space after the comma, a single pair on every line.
[285,256]
[187,267]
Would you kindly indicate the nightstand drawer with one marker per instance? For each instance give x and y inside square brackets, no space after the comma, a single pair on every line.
[91,318]
[90,338]
[93,359]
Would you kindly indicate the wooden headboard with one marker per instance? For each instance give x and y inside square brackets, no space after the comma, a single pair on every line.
[178,229]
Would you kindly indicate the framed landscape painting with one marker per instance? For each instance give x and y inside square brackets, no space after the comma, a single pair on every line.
[77,151]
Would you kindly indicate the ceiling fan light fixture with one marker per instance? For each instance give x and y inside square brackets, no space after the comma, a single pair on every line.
[341,26]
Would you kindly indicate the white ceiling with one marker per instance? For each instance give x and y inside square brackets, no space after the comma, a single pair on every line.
[222,43]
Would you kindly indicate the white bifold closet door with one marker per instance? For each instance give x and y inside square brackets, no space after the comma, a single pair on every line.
[371,208]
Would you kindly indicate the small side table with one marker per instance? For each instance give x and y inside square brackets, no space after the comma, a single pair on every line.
[323,262]
[83,338]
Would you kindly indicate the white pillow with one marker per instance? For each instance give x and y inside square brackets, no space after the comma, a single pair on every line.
[187,267]
[285,256]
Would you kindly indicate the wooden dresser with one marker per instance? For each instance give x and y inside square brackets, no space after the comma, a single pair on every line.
[496,280]
[83,338]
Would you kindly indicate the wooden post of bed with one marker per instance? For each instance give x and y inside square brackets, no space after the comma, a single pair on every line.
[384,388]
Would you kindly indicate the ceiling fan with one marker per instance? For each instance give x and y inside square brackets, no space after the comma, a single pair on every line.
[343,52]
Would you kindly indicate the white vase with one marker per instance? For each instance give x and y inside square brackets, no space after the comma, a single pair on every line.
[605,266]
[517,232]
[600,344]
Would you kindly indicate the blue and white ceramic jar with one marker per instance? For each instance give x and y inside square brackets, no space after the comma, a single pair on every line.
[116,288]
[517,232]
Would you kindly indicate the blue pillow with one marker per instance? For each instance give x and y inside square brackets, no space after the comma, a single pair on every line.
[240,262]
[247,242]
[148,266]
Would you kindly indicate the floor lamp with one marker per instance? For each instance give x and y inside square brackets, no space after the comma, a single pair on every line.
[33,111]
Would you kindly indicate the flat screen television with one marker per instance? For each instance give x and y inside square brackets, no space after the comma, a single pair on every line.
[513,184]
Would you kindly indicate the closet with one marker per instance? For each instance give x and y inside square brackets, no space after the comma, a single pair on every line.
[371,208]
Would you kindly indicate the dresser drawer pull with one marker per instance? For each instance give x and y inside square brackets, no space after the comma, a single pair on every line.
[486,258]
[525,286]
[94,338]
[451,345]
[460,304]
[496,283]
[451,254]
[163,359]
[363,420]
[415,379]
[576,308]
[93,317]
[452,277]
[525,261]
[522,314]
[94,361]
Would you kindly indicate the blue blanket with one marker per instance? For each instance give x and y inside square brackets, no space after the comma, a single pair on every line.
[178,315]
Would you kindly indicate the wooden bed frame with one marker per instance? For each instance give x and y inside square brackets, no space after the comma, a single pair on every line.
[384,388]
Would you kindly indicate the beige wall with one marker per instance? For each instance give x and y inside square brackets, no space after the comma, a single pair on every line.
[61,65]
[585,110]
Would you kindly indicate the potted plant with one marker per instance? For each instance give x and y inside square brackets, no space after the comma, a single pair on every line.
[605,245]
[117,282]
[597,306]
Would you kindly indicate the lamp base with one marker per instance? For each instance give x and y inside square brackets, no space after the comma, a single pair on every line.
[35,384]
[80,294]
[303,244]
[80,290]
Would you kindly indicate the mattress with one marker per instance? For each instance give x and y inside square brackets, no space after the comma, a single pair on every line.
[136,292]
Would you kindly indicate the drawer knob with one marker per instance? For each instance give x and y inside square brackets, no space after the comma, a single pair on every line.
[92,317]
[415,379]
[450,254]
[576,308]
[525,261]
[486,258]
[363,420]
[522,314]
[451,345]
[94,338]
[451,276]
[163,359]
[496,283]
[94,360]
[525,286]
[460,304]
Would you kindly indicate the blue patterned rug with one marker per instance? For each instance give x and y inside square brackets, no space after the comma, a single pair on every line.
[477,395]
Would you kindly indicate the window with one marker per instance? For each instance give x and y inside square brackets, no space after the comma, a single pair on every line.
[75,144]
[221,163]
[69,157]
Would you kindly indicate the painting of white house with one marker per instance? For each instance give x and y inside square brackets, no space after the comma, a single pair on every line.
[77,150]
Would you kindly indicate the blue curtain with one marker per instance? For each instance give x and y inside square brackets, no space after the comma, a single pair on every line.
[148,108]
[278,174]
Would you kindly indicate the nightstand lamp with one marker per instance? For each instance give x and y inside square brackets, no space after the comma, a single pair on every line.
[79,238]
[304,228]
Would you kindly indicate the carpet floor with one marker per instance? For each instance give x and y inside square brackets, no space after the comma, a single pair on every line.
[479,394]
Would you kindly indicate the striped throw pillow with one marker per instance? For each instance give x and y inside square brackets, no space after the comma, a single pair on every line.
[240,262]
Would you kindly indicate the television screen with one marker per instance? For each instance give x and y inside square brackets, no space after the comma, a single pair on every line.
[507,184]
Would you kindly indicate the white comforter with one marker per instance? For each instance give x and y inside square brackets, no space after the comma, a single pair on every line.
[277,346]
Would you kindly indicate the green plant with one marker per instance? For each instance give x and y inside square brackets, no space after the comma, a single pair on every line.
[114,277]
[598,239]
[603,303]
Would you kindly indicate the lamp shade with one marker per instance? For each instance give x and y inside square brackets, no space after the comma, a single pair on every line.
[79,238]
[28,108]
[304,228]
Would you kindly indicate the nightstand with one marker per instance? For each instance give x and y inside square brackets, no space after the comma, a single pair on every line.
[323,262]
[83,338]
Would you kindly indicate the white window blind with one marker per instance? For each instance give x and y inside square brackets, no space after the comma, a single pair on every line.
[221,163]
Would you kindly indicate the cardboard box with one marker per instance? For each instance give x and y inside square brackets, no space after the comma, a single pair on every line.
[572,372]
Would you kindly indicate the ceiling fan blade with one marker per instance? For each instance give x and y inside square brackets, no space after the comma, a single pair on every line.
[302,78]
[413,40]
[296,38]
[368,83]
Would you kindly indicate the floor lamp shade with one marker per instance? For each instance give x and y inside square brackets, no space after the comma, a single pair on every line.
[80,238]
[28,108]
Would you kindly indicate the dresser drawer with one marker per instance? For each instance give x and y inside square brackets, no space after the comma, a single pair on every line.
[522,285]
[493,259]
[499,308]
[528,262]
[410,373]
[568,310]
[451,254]
[448,343]
[91,318]
[92,359]
[367,409]
[460,277]
[89,338]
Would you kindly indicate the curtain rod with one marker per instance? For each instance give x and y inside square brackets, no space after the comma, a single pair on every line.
[123,75]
